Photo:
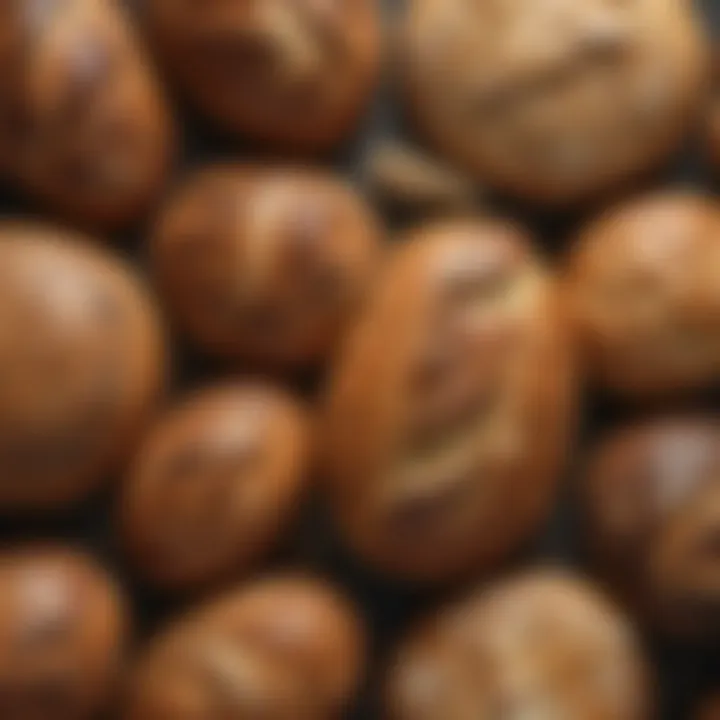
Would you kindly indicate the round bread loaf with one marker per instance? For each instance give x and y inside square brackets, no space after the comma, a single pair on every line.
[265,265]
[215,485]
[81,365]
[652,503]
[294,74]
[553,100]
[450,407]
[63,628]
[83,124]
[283,648]
[643,285]
[541,645]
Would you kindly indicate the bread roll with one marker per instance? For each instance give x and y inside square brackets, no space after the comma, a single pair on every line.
[293,75]
[450,406]
[643,284]
[554,101]
[283,648]
[63,627]
[652,501]
[215,485]
[265,265]
[81,365]
[83,124]
[541,645]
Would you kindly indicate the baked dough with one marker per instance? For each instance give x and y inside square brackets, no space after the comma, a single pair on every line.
[265,265]
[63,635]
[652,499]
[542,645]
[215,485]
[83,124]
[294,74]
[553,100]
[451,405]
[82,365]
[284,648]
[643,285]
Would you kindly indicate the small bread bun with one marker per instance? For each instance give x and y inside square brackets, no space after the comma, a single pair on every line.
[83,122]
[265,265]
[652,503]
[63,635]
[543,644]
[215,485]
[643,285]
[285,648]
[82,365]
[293,75]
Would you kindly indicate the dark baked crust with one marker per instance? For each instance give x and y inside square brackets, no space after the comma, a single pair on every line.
[63,628]
[450,407]
[652,503]
[82,121]
[265,264]
[282,649]
[644,287]
[81,365]
[553,103]
[294,74]
[215,485]
[544,644]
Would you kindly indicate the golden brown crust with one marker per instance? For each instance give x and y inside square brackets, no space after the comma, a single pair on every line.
[553,101]
[643,284]
[83,124]
[215,485]
[63,628]
[544,644]
[450,408]
[265,264]
[81,365]
[652,502]
[290,73]
[284,648]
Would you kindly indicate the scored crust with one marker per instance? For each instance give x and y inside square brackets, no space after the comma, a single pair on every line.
[450,406]
[553,100]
